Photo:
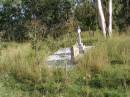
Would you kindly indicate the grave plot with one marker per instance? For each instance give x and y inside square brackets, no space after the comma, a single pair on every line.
[65,57]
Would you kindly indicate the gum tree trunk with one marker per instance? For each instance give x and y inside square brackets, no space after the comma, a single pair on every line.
[101,17]
[110,18]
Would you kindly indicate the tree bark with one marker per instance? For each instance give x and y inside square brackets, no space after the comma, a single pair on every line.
[101,17]
[110,18]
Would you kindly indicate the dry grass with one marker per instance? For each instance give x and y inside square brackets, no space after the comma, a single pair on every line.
[20,61]
[94,61]
[103,71]
[112,51]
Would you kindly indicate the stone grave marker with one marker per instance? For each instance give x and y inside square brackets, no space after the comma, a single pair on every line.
[66,56]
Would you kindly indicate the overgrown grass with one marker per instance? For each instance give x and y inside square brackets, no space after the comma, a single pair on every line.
[102,72]
[107,66]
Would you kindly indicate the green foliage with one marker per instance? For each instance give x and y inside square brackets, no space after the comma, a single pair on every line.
[86,16]
[56,17]
[15,17]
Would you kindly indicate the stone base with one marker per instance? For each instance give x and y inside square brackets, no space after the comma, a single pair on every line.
[76,50]
[67,56]
[81,48]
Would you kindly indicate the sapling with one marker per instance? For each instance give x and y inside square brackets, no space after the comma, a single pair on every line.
[35,39]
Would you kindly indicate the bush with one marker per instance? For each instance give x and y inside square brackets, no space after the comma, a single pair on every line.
[97,81]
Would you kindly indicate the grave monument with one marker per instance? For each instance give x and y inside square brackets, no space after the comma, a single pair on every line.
[78,48]
[67,56]
[81,47]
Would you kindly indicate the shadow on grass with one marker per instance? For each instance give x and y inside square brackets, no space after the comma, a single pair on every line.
[113,62]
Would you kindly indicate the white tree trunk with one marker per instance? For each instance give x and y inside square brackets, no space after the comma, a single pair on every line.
[101,17]
[110,18]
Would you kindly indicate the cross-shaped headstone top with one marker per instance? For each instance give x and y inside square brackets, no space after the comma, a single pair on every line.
[80,44]
[79,30]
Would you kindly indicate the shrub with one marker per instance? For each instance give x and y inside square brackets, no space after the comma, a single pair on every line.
[97,81]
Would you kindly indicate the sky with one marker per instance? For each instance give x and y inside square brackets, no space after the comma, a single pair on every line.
[1,6]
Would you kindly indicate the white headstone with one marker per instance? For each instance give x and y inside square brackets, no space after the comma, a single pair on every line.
[80,44]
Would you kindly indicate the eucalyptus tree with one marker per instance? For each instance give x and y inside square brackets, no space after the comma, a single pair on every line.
[105,23]
[121,14]
[12,20]
[102,21]
[86,16]
[110,18]
[15,15]
[51,13]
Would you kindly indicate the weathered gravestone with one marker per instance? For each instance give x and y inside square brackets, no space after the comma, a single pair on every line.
[78,48]
[81,47]
[67,55]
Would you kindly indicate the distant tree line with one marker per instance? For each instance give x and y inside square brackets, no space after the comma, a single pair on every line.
[20,18]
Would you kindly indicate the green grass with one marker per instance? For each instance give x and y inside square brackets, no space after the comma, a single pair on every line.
[107,66]
[102,72]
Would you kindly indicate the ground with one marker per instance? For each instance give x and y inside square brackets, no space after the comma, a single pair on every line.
[103,72]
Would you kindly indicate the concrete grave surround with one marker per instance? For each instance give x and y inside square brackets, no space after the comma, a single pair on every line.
[65,56]
[60,58]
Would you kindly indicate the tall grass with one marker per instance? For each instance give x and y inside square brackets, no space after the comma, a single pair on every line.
[18,61]
[108,67]
[104,71]
[112,51]
[94,61]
